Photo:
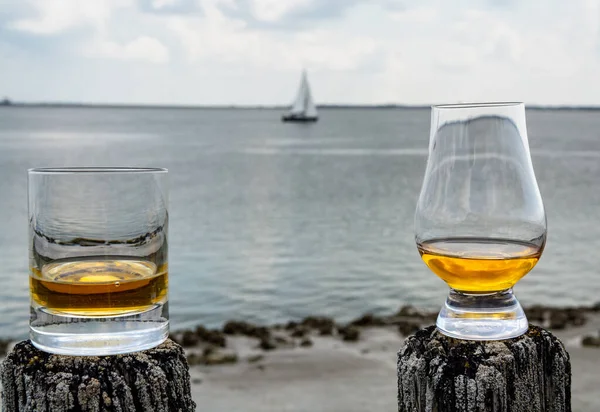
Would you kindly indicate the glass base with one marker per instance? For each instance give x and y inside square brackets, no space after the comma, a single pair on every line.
[491,316]
[93,336]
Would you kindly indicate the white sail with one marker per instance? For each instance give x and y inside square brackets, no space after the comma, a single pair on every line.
[303,104]
[298,105]
[310,110]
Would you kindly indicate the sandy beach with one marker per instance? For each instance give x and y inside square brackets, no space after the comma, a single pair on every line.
[331,375]
[337,376]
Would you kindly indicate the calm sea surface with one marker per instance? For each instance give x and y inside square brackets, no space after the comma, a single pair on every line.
[273,221]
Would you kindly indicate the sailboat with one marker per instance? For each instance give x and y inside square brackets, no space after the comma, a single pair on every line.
[303,109]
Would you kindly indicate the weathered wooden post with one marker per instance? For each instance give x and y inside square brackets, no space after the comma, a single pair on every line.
[155,380]
[531,373]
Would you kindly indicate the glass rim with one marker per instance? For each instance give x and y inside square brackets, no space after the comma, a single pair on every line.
[475,105]
[95,170]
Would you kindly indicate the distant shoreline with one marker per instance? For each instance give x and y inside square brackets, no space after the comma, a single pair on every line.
[6,104]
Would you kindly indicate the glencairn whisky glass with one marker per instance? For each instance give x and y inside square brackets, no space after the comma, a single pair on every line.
[480,223]
[98,259]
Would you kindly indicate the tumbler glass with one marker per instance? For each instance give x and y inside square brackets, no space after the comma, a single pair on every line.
[98,259]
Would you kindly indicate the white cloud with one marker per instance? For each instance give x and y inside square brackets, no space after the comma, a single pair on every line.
[326,49]
[216,38]
[422,15]
[476,38]
[143,48]
[55,16]
[363,52]
[161,4]
[273,10]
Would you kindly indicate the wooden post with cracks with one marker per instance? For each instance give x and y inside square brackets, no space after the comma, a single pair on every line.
[155,380]
[525,374]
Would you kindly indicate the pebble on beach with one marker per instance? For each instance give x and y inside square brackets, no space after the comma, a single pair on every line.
[407,328]
[322,324]
[368,319]
[267,344]
[557,318]
[591,341]
[234,327]
[306,343]
[214,337]
[255,358]
[349,333]
[212,357]
[299,332]
[407,320]
[4,346]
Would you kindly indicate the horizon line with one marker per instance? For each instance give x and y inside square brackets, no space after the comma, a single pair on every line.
[8,103]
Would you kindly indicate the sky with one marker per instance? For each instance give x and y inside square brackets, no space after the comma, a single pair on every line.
[252,52]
